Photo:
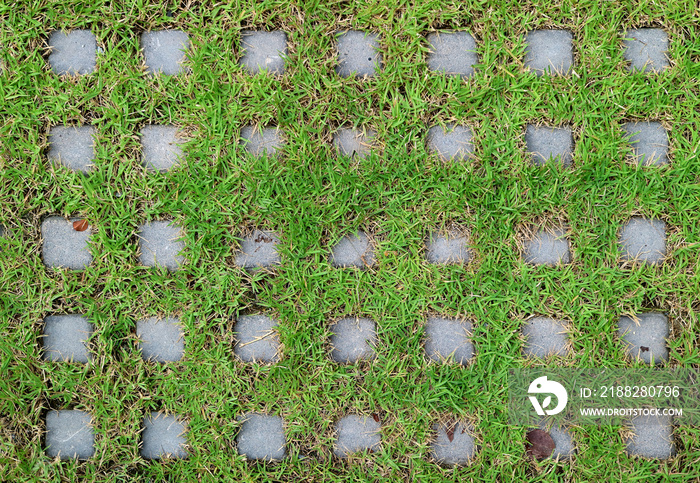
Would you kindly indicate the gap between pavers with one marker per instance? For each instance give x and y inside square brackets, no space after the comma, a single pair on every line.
[258,250]
[261,437]
[358,54]
[549,52]
[161,340]
[649,141]
[161,244]
[452,53]
[354,250]
[357,433]
[545,337]
[353,142]
[266,141]
[652,437]
[263,51]
[643,240]
[645,338]
[164,436]
[69,435]
[547,247]
[646,50]
[65,338]
[161,147]
[165,51]
[73,53]
[549,144]
[353,339]
[63,246]
[451,143]
[72,147]
[257,339]
[449,339]
[447,248]
[460,451]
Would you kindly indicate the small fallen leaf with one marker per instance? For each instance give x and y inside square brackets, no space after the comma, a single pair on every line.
[450,433]
[376,417]
[540,444]
[80,225]
[644,348]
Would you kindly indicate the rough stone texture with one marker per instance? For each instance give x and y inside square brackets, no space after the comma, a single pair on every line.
[358,54]
[448,248]
[164,51]
[259,250]
[646,50]
[161,340]
[549,143]
[163,437]
[161,147]
[72,147]
[653,437]
[449,339]
[547,248]
[262,141]
[262,437]
[263,51]
[69,434]
[353,251]
[63,246]
[459,451]
[454,143]
[73,53]
[357,433]
[564,441]
[353,339]
[452,53]
[545,337]
[257,339]
[549,52]
[643,240]
[651,333]
[352,142]
[649,142]
[160,244]
[65,338]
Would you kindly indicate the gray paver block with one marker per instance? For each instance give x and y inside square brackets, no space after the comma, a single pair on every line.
[262,141]
[165,50]
[459,451]
[653,437]
[649,142]
[65,338]
[257,339]
[63,246]
[161,340]
[353,339]
[73,53]
[452,53]
[549,143]
[73,147]
[353,251]
[258,250]
[564,442]
[69,434]
[547,248]
[549,52]
[160,244]
[358,54]
[545,337]
[452,143]
[164,436]
[448,248]
[353,142]
[261,437]
[651,334]
[449,339]
[644,240]
[646,50]
[161,147]
[357,433]
[263,51]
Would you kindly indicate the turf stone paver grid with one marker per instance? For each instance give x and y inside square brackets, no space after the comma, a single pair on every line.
[64,246]
[65,338]
[72,147]
[69,434]
[73,53]
[164,436]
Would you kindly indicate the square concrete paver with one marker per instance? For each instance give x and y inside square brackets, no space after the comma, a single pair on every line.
[164,436]
[358,54]
[161,244]
[549,52]
[357,433]
[452,143]
[652,437]
[649,142]
[646,50]
[263,51]
[353,340]
[645,338]
[545,337]
[460,451]
[257,339]
[65,338]
[452,53]
[262,141]
[563,440]
[354,142]
[261,437]
[161,147]
[259,250]
[449,248]
[72,147]
[73,53]
[354,250]
[69,435]
[643,240]
[449,339]
[161,340]
[63,245]
[549,143]
[547,247]
[165,51]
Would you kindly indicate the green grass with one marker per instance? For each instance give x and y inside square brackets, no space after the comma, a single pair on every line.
[313,199]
